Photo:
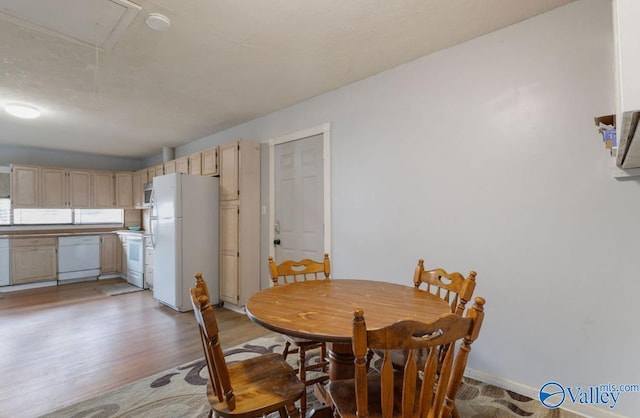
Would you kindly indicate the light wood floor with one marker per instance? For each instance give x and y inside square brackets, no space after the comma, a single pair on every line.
[60,345]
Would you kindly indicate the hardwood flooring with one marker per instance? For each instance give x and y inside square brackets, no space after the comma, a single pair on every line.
[60,345]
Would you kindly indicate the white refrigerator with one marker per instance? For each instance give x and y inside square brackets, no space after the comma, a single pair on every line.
[184,231]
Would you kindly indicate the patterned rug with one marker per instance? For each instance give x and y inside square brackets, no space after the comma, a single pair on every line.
[180,392]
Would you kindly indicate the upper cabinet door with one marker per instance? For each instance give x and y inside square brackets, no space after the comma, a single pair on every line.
[159,170]
[210,162]
[170,167]
[124,190]
[229,171]
[54,187]
[139,180]
[79,188]
[182,165]
[103,189]
[195,164]
[25,186]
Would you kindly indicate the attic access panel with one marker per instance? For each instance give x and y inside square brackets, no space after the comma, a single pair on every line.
[93,22]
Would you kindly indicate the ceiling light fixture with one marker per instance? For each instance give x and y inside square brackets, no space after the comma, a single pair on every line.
[156,21]
[23,111]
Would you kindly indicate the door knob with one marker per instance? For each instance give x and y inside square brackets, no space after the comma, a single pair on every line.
[276,242]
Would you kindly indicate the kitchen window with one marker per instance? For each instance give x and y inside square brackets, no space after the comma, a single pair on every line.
[66,216]
[5,211]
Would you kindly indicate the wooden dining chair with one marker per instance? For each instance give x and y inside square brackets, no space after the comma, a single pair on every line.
[248,388]
[452,287]
[413,392]
[290,271]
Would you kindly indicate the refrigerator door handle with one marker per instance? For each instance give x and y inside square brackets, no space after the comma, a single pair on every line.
[152,217]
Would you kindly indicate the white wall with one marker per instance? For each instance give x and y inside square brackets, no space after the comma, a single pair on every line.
[485,156]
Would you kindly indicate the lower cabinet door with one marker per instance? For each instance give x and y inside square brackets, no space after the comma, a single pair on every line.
[33,264]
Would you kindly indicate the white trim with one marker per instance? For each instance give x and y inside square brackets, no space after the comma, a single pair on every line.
[323,129]
[582,410]
[26,286]
[235,308]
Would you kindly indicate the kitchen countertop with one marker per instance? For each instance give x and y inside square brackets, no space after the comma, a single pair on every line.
[130,232]
[68,234]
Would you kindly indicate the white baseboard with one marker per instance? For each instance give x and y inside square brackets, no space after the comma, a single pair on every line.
[110,276]
[583,410]
[235,308]
[16,287]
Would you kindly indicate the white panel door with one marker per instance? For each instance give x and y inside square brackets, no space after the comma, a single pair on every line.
[299,195]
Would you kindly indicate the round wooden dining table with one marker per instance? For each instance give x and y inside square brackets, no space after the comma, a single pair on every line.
[322,310]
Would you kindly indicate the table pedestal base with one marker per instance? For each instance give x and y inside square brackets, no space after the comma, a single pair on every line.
[341,359]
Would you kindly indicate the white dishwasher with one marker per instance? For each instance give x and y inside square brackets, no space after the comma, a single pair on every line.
[4,262]
[79,258]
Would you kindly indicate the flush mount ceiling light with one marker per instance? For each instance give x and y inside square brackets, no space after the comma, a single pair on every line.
[156,21]
[23,111]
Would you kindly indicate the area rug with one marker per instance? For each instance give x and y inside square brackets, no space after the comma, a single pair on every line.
[117,289]
[180,393]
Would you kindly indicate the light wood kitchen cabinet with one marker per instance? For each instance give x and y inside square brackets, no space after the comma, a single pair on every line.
[25,186]
[148,262]
[51,187]
[124,189]
[79,189]
[155,171]
[182,165]
[239,221]
[195,164]
[103,189]
[169,167]
[159,170]
[65,188]
[54,187]
[230,171]
[122,268]
[139,180]
[229,250]
[109,253]
[151,173]
[33,260]
[209,162]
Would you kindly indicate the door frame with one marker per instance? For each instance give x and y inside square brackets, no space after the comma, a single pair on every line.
[323,130]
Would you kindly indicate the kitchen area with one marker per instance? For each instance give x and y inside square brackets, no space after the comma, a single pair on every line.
[177,218]
[38,259]
[41,255]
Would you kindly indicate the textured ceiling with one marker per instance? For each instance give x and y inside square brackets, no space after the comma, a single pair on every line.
[222,63]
